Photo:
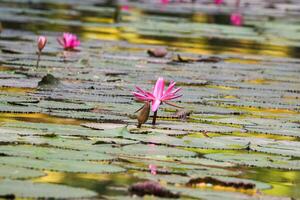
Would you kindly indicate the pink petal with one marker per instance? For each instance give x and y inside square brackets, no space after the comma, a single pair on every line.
[159,88]
[171,86]
[171,96]
[155,105]
[141,97]
[176,90]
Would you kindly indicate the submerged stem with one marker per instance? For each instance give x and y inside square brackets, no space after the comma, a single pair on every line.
[154,118]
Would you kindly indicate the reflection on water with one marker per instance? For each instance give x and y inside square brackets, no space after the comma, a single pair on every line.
[96,182]
[205,33]
[283,182]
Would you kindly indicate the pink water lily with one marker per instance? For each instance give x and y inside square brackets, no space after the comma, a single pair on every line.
[218,2]
[236,19]
[158,95]
[68,41]
[41,43]
[165,2]
[153,169]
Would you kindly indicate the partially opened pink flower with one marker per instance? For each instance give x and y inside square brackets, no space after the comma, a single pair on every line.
[236,19]
[41,43]
[68,41]
[158,94]
[218,2]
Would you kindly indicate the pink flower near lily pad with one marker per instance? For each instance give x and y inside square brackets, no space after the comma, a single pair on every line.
[218,2]
[236,19]
[158,95]
[68,41]
[165,2]
[41,42]
[153,169]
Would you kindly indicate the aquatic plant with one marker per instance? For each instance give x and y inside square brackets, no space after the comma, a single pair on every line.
[41,43]
[153,169]
[158,95]
[218,2]
[236,19]
[68,41]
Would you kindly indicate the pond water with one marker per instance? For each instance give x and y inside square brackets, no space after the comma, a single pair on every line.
[236,138]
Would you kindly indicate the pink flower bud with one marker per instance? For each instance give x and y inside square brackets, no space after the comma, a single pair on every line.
[41,43]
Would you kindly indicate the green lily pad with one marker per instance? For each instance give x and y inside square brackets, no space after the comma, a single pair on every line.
[53,153]
[60,165]
[12,172]
[257,160]
[63,105]
[281,147]
[26,189]
[155,151]
[173,179]
[103,126]
[67,130]
[197,127]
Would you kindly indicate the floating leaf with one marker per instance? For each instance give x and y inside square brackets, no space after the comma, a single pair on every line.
[155,151]
[257,160]
[26,189]
[19,172]
[63,105]
[61,165]
[52,153]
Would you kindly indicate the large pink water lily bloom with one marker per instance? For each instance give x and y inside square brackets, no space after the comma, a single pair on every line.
[68,41]
[158,94]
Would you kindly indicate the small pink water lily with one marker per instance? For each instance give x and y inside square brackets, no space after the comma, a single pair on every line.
[68,41]
[41,43]
[153,169]
[165,2]
[158,95]
[236,19]
[218,2]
